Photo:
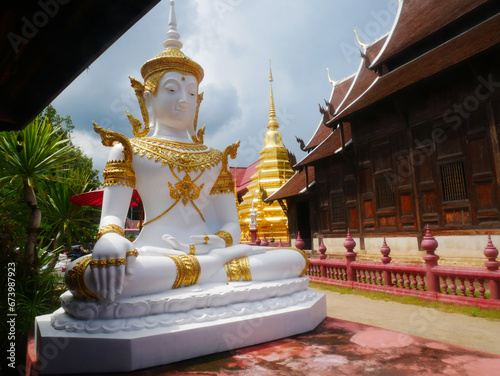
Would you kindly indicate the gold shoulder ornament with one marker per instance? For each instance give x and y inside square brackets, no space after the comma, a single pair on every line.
[117,172]
[224,183]
[136,124]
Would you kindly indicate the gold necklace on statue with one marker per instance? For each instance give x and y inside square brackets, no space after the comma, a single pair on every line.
[184,156]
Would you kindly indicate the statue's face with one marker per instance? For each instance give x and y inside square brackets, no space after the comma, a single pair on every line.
[174,104]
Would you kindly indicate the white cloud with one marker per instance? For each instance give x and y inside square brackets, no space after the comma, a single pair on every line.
[233,40]
[90,145]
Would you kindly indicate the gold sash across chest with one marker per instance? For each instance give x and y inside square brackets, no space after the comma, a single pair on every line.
[182,156]
[185,157]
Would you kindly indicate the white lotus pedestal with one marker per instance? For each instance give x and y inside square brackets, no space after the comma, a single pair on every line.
[186,323]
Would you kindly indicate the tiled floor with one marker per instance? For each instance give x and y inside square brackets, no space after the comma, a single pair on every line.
[339,347]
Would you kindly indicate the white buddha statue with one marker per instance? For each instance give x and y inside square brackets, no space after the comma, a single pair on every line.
[191,230]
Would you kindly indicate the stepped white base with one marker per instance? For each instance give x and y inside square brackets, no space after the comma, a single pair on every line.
[62,351]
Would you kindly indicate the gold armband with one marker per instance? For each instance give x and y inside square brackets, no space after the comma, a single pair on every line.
[188,270]
[237,269]
[110,228]
[225,183]
[75,279]
[226,236]
[119,173]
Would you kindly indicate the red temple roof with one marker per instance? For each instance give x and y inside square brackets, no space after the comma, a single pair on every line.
[417,20]
[364,77]
[295,185]
[451,52]
[347,90]
[243,176]
[339,91]
[331,145]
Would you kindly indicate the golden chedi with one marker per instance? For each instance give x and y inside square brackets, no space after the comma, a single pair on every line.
[273,171]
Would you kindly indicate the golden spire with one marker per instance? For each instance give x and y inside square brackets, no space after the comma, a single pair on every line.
[273,122]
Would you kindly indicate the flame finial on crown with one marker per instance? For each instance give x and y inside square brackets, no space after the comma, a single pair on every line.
[171,59]
[172,35]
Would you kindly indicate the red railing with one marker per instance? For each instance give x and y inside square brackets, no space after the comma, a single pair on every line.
[458,285]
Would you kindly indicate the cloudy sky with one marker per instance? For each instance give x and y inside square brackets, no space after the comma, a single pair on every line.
[233,40]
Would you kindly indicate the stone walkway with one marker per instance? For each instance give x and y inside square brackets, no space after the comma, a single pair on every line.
[362,336]
[472,332]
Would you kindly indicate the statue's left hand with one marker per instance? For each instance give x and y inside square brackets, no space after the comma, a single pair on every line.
[114,256]
[200,244]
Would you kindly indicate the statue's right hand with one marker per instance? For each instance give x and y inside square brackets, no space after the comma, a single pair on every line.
[111,259]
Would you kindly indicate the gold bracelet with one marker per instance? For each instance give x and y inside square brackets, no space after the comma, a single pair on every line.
[110,228]
[238,269]
[133,252]
[75,278]
[226,236]
[188,270]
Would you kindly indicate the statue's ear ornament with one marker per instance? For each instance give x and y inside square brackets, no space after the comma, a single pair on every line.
[136,124]
[198,137]
[198,103]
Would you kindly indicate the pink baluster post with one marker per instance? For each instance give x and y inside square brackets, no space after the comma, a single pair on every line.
[385,250]
[322,256]
[322,250]
[429,245]
[299,242]
[491,252]
[350,256]
[264,242]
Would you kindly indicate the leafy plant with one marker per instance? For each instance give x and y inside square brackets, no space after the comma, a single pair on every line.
[67,223]
[30,156]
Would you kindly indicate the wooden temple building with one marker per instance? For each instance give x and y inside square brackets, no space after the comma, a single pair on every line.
[411,139]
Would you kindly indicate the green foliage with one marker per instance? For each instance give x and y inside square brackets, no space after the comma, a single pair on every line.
[42,160]
[65,222]
[36,293]
[39,296]
[33,154]
[65,124]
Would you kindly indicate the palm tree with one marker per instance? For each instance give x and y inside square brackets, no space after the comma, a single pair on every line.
[67,222]
[28,157]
